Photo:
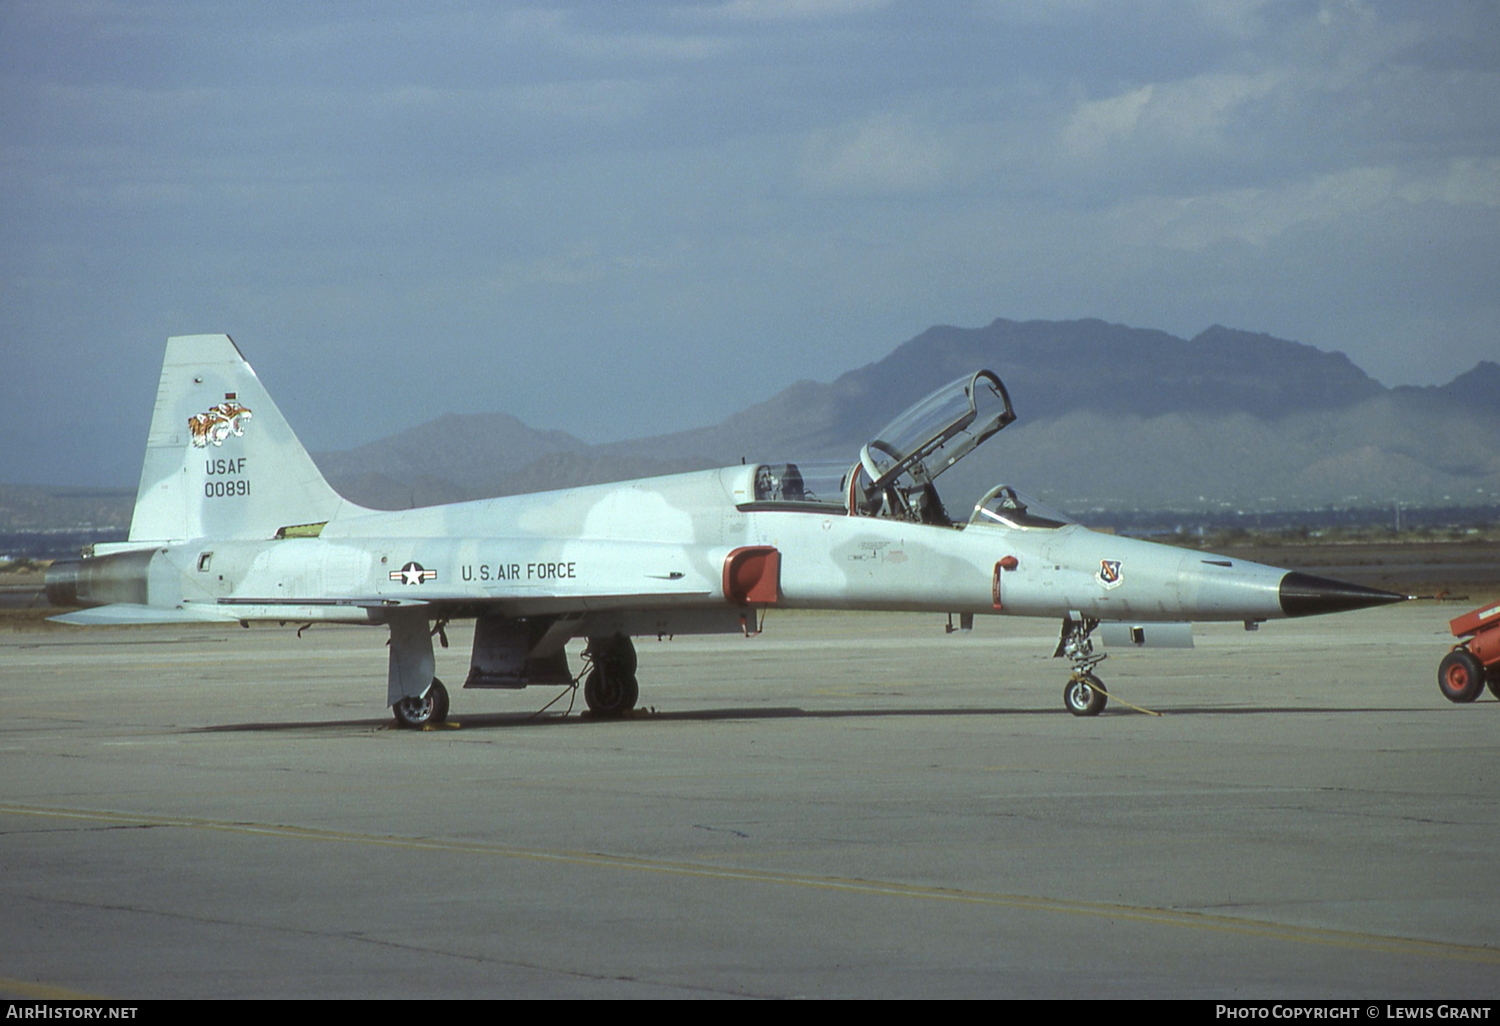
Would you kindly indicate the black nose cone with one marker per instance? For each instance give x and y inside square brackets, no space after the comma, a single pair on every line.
[1306,595]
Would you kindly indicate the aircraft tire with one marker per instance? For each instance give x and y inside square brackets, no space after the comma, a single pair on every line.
[1460,676]
[1494,679]
[416,713]
[1085,696]
[610,691]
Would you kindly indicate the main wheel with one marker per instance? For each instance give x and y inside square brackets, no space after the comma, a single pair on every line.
[1460,676]
[609,691]
[416,713]
[1084,695]
[611,688]
[1494,678]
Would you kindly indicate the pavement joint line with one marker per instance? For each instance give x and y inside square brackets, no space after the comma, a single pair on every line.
[1324,936]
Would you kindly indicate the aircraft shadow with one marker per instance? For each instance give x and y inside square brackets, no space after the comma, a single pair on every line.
[1244,710]
[498,721]
[489,721]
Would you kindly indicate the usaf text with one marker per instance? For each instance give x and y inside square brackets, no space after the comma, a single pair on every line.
[519,571]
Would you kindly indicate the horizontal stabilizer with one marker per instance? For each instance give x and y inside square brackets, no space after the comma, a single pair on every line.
[122,613]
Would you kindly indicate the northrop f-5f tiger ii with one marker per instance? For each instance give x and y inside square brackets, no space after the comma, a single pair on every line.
[233,522]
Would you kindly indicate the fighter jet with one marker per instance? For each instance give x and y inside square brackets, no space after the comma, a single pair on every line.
[234,523]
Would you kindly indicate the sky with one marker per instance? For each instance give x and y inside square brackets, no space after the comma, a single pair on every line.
[624,218]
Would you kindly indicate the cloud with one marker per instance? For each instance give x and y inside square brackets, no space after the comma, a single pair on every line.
[1252,216]
[605,99]
[1464,182]
[568,33]
[881,155]
[784,10]
[1258,216]
[1094,125]
[1166,118]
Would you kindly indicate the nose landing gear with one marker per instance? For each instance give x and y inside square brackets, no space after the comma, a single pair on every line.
[1084,694]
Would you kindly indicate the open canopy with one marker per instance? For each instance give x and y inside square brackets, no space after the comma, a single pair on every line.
[900,464]
[895,471]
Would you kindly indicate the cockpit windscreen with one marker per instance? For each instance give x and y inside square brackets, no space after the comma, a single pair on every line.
[1003,506]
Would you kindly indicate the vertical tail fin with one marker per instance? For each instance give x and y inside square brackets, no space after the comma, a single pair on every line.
[221,461]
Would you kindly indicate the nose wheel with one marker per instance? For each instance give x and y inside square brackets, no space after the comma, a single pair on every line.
[1084,695]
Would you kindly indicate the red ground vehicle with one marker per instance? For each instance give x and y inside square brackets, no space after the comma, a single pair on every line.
[1463,672]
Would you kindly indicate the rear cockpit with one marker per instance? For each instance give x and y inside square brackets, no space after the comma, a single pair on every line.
[813,486]
[895,474]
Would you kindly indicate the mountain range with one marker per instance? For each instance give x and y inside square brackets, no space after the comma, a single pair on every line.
[1109,417]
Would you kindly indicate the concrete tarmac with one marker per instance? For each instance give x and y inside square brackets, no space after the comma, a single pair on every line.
[846,806]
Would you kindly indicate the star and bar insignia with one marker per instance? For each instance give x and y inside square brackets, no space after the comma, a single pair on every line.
[413,573]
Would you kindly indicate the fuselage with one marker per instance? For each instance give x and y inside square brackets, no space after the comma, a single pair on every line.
[662,544]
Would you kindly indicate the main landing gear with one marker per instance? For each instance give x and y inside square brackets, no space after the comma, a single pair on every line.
[504,656]
[611,688]
[416,697]
[430,709]
[1083,695]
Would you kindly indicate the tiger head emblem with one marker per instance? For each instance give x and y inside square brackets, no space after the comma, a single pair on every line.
[221,421]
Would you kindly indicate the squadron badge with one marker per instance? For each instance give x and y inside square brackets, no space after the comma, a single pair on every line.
[1109,575]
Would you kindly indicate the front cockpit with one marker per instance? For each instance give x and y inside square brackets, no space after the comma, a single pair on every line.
[894,477]
[1003,506]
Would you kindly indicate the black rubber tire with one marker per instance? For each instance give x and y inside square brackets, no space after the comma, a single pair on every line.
[430,709]
[1084,696]
[1460,676]
[611,688]
[609,691]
